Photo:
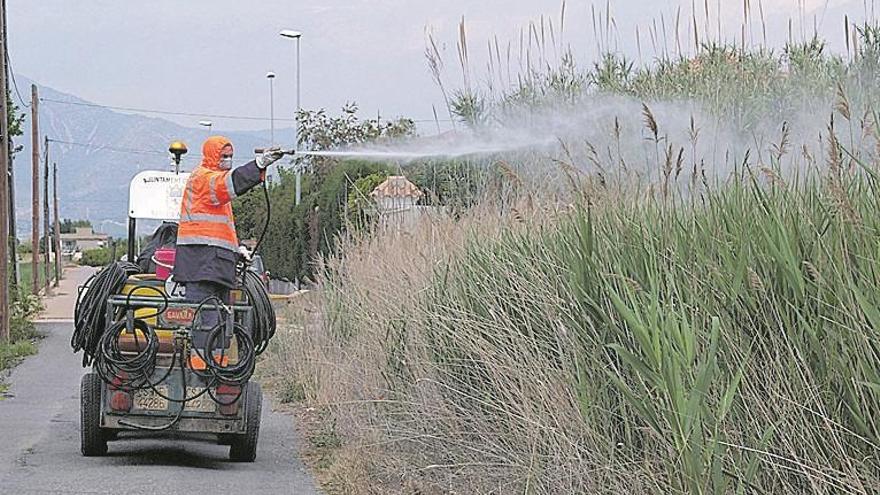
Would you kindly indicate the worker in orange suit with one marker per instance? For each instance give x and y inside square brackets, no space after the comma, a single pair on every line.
[207,245]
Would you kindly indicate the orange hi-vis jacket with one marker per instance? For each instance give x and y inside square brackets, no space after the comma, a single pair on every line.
[206,212]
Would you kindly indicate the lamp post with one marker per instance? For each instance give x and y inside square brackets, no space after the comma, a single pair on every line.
[271,77]
[206,123]
[296,35]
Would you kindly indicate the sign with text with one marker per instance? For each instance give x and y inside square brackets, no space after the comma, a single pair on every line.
[156,195]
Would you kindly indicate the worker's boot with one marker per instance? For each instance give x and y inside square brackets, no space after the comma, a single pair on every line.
[197,362]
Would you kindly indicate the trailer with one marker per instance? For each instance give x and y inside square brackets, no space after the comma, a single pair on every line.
[146,373]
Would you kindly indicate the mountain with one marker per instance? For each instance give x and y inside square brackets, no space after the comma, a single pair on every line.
[98,151]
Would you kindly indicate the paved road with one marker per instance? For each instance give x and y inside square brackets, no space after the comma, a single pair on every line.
[39,450]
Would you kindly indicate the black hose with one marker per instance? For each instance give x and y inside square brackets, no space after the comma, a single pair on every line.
[263,328]
[125,422]
[99,340]
[268,217]
[263,312]
[237,374]
[90,312]
[130,371]
[241,372]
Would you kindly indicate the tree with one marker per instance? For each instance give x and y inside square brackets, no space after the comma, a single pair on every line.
[361,207]
[15,120]
[69,226]
[319,131]
[297,233]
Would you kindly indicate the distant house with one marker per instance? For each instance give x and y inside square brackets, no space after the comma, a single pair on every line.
[396,202]
[395,193]
[83,240]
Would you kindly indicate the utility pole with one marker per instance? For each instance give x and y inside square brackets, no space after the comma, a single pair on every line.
[46,231]
[14,280]
[57,225]
[35,190]
[4,183]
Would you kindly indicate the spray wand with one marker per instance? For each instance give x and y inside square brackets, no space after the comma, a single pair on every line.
[260,151]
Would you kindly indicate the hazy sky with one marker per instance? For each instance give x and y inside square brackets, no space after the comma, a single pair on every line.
[211,56]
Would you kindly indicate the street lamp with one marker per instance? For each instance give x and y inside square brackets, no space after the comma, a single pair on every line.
[206,123]
[296,35]
[271,77]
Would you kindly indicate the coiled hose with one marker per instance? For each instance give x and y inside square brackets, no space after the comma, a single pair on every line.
[237,374]
[264,313]
[90,312]
[131,371]
[99,339]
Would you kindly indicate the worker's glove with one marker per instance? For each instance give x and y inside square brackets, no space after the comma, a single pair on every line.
[244,252]
[269,157]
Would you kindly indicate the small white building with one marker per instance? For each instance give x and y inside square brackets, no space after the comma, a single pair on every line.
[396,202]
[83,240]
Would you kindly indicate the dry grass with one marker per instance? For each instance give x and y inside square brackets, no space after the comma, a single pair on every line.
[355,377]
[548,352]
[670,310]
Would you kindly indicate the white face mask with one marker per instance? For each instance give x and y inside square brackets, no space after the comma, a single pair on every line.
[226,163]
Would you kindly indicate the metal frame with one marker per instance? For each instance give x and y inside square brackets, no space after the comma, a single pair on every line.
[190,421]
[132,233]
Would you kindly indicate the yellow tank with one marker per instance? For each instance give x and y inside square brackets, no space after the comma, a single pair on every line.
[147,285]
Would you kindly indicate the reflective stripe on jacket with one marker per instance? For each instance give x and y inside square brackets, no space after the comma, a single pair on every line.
[206,211]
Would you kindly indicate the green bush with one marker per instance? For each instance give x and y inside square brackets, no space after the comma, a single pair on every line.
[297,234]
[10,354]
[23,332]
[22,311]
[96,257]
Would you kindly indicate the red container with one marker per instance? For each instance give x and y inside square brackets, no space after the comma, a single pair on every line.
[164,260]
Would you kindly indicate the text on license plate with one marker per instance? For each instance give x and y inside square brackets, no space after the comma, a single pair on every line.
[149,400]
[202,403]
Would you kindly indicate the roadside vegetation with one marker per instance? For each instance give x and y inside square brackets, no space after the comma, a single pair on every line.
[23,334]
[26,271]
[97,257]
[685,304]
[24,306]
[300,233]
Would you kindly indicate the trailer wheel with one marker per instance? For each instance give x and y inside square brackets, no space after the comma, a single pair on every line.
[93,438]
[243,447]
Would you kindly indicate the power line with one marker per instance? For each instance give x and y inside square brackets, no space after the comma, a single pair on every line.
[429,121]
[164,112]
[14,83]
[97,201]
[194,114]
[101,147]
[134,151]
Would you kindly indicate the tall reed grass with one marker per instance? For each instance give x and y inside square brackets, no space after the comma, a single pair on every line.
[727,346]
[594,332]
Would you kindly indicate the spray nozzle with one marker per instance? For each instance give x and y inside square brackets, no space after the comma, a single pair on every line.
[260,151]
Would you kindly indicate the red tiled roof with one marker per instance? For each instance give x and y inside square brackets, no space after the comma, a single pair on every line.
[396,186]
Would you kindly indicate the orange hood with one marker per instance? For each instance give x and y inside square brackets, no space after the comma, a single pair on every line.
[212,150]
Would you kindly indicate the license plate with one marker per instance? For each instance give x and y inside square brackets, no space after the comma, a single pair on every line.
[202,403]
[149,400]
